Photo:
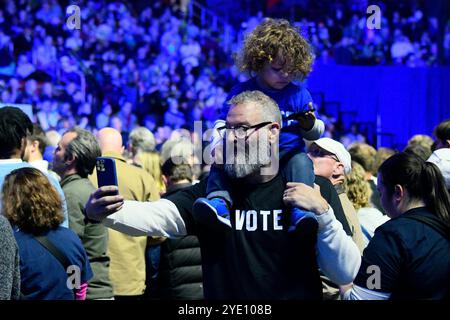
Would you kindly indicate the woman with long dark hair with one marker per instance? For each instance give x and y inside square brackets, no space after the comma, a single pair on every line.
[409,256]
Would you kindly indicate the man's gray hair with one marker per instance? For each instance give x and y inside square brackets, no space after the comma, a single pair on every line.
[180,149]
[85,148]
[269,108]
[142,140]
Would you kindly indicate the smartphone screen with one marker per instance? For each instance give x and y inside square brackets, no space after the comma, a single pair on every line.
[106,172]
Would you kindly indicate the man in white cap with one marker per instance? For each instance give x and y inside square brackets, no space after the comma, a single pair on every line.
[332,161]
[441,158]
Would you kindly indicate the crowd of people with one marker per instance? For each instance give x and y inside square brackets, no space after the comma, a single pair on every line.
[145,64]
[125,65]
[408,31]
[375,207]
[269,209]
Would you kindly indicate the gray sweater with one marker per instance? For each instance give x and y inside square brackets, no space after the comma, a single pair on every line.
[9,262]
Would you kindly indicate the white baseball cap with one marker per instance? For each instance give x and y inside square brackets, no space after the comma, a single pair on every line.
[338,150]
[441,158]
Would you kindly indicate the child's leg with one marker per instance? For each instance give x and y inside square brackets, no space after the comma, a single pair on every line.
[214,210]
[217,186]
[299,168]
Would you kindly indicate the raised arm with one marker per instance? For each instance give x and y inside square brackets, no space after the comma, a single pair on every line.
[158,218]
[337,255]
[315,132]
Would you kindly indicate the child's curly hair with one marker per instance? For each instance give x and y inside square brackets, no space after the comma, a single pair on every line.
[276,38]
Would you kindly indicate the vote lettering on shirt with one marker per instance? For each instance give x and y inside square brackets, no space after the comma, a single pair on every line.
[248,220]
[257,258]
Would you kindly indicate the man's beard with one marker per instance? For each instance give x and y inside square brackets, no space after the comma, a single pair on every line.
[254,161]
[236,171]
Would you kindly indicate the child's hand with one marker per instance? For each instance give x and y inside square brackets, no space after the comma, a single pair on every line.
[306,120]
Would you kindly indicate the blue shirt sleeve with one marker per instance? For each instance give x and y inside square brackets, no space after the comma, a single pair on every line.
[58,188]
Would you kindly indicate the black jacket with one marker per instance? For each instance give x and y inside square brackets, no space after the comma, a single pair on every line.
[180,267]
[329,193]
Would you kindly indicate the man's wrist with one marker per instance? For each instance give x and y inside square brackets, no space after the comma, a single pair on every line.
[321,208]
[87,218]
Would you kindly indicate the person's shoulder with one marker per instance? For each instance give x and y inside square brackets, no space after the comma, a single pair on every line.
[198,187]
[195,191]
[5,226]
[374,212]
[132,174]
[16,165]
[129,168]
[51,176]
[298,90]
[78,189]
[66,239]
[322,180]
[7,238]
[65,234]
[21,236]
[398,227]
[84,184]
[324,183]
[297,87]
[239,87]
[417,222]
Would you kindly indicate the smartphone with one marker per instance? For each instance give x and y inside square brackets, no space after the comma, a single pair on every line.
[106,172]
[296,116]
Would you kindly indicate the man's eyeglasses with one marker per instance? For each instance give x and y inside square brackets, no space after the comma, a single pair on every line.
[241,131]
[320,153]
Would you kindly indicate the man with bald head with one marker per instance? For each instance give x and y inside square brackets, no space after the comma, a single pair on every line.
[110,140]
[127,269]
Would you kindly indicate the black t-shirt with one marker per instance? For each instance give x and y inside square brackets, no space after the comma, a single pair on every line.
[414,259]
[257,258]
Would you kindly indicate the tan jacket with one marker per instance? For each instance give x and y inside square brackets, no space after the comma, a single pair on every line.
[127,269]
[329,289]
[352,219]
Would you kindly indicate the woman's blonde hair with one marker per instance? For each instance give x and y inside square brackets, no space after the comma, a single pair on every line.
[358,190]
[30,202]
[151,162]
[276,38]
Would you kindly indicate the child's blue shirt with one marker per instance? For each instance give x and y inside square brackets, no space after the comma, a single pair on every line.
[291,99]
